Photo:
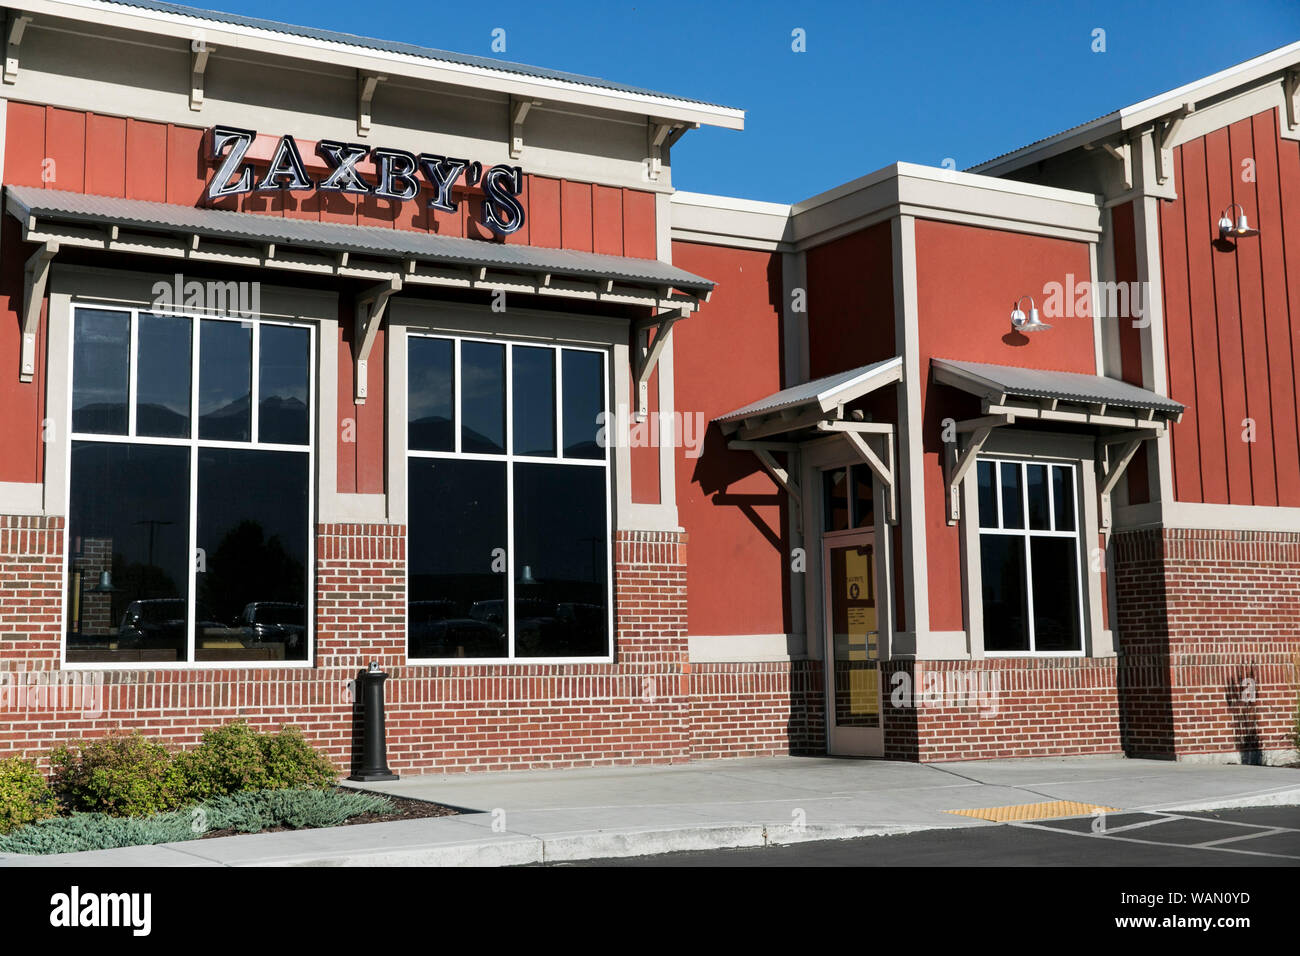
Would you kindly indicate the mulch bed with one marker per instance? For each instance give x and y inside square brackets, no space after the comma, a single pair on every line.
[404,808]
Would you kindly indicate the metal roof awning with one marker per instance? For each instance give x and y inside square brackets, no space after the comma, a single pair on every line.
[815,410]
[1123,416]
[390,259]
[361,252]
[997,383]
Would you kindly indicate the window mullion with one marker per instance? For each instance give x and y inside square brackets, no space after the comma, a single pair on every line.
[254,384]
[457,385]
[559,404]
[133,372]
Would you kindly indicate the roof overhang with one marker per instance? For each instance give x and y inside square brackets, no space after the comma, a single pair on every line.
[801,408]
[815,411]
[388,260]
[1121,417]
[224,31]
[371,253]
[1265,68]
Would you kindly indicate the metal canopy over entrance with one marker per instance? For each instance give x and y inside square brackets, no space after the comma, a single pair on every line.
[1123,416]
[813,411]
[389,259]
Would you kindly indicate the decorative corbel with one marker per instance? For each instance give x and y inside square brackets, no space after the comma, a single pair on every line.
[18,23]
[199,53]
[35,276]
[646,352]
[519,108]
[660,136]
[366,85]
[1162,139]
[370,308]
[1291,100]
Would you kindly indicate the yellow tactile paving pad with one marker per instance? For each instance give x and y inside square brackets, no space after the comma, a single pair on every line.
[1035,811]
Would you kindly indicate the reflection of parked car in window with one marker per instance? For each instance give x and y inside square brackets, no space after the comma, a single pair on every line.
[159,623]
[153,624]
[490,612]
[434,632]
[274,622]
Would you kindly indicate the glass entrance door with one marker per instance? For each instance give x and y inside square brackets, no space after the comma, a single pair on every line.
[852,646]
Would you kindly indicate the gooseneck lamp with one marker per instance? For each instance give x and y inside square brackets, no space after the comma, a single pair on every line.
[1031,323]
[1235,230]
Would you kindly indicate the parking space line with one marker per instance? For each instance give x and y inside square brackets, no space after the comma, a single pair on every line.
[1272,831]
[1181,846]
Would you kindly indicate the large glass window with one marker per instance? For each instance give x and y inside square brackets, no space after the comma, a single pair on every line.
[1031,582]
[187,547]
[508,488]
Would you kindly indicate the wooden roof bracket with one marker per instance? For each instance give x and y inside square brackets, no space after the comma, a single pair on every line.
[370,305]
[35,276]
[660,136]
[1111,469]
[1291,101]
[367,83]
[17,26]
[856,434]
[519,108]
[957,462]
[199,53]
[646,351]
[1162,140]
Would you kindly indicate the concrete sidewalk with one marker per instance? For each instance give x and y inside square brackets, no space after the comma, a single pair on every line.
[541,816]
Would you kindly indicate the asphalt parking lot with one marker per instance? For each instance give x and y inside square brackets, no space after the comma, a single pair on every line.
[1256,837]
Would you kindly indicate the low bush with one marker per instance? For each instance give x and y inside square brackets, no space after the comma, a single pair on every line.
[242,812]
[236,758]
[124,775]
[25,797]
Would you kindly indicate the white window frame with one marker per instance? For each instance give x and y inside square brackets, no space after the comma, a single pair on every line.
[1026,534]
[194,443]
[509,458]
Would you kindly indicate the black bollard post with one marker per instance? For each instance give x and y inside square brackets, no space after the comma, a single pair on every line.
[374,755]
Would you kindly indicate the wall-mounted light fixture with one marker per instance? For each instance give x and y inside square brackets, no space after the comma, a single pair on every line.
[1235,230]
[1021,323]
[105,585]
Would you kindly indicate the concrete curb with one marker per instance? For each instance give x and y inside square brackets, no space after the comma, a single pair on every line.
[593,845]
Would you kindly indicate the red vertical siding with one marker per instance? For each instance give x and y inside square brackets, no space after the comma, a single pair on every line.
[24,144]
[65,146]
[1275,315]
[1230,308]
[639,238]
[607,220]
[544,211]
[146,161]
[106,144]
[575,216]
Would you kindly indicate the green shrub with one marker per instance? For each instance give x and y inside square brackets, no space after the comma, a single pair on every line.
[236,758]
[243,812]
[125,775]
[25,797]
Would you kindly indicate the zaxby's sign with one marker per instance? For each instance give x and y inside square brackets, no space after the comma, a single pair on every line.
[397,175]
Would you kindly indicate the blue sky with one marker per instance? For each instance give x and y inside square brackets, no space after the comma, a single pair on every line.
[879,82]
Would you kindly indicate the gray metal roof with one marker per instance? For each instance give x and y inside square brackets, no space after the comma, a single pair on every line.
[393,46]
[991,381]
[824,392]
[335,237]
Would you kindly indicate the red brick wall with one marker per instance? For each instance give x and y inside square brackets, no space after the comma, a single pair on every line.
[756,709]
[1210,640]
[1003,707]
[31,589]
